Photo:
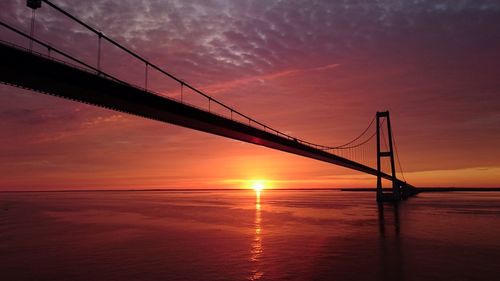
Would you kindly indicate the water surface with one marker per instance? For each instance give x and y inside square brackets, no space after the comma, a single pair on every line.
[237,235]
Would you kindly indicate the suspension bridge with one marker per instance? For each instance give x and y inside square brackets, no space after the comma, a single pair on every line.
[47,69]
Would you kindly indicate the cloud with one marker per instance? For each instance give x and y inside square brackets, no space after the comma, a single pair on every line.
[229,85]
[319,69]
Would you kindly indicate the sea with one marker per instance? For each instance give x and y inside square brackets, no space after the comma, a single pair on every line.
[248,235]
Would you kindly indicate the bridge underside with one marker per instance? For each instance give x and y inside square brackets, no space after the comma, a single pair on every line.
[34,72]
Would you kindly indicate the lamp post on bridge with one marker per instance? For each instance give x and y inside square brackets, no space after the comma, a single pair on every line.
[33,4]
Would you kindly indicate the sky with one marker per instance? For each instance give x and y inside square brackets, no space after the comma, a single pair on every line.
[318,70]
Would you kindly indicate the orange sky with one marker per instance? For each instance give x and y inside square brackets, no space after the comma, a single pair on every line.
[316,70]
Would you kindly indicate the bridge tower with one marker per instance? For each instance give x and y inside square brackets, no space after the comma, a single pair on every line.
[396,186]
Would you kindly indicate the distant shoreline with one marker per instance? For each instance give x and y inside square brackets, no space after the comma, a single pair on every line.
[433,189]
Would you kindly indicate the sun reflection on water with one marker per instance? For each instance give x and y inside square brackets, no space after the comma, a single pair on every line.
[256,250]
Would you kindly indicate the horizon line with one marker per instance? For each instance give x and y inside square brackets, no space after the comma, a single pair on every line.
[367,189]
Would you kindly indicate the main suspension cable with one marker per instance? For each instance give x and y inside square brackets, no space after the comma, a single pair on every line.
[358,137]
[345,146]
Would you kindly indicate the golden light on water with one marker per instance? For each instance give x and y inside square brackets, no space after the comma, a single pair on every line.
[257,249]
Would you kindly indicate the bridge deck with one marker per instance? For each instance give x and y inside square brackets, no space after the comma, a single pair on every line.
[35,72]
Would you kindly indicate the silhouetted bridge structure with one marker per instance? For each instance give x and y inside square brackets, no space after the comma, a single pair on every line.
[72,78]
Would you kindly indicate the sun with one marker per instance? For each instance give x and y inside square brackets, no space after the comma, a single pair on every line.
[258,185]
